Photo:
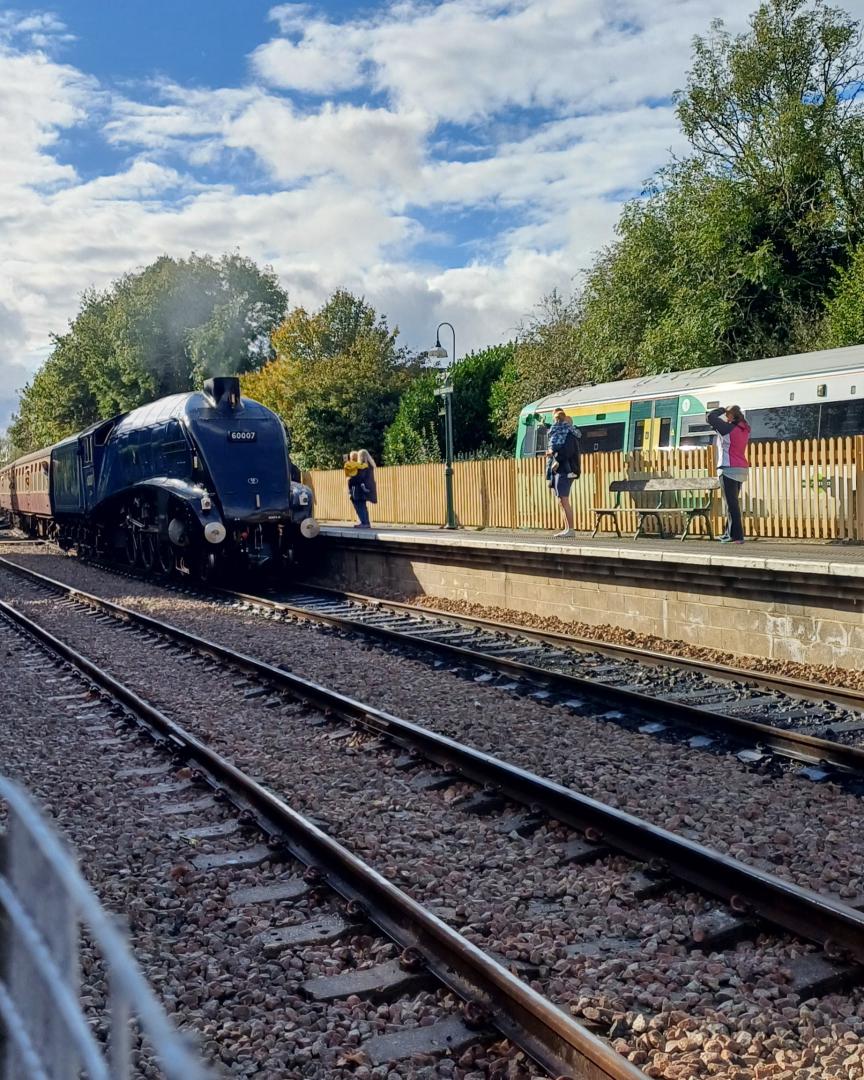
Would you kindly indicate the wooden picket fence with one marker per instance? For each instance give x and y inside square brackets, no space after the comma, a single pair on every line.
[809,489]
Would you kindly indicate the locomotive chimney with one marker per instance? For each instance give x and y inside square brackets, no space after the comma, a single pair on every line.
[223,390]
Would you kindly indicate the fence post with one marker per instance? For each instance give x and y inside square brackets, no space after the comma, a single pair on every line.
[858,469]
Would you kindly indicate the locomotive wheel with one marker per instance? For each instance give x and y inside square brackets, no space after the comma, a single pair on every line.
[166,560]
[206,566]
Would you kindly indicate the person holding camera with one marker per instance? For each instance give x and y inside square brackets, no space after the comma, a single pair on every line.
[733,434]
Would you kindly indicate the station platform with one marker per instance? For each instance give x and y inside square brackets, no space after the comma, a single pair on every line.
[786,600]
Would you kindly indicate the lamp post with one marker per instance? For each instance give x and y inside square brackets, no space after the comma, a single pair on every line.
[445,391]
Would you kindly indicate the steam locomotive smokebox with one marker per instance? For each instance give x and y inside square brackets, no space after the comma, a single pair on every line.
[223,389]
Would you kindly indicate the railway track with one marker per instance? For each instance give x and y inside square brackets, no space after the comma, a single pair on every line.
[339,892]
[748,891]
[818,726]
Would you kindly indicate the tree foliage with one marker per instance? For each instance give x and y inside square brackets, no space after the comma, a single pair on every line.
[158,331]
[336,380]
[844,312]
[731,251]
[417,435]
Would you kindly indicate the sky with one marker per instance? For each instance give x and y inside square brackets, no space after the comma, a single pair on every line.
[448,161]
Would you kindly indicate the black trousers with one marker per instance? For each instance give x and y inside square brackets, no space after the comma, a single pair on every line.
[731,495]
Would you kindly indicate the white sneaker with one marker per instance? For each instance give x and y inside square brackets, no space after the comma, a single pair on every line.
[567,532]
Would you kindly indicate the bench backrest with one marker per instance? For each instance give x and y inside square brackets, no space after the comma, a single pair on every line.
[667,483]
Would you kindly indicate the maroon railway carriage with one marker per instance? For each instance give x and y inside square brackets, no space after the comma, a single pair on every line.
[25,491]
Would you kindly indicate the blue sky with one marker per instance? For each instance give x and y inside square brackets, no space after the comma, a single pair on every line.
[452,160]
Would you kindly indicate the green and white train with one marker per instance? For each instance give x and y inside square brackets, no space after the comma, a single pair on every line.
[805,396]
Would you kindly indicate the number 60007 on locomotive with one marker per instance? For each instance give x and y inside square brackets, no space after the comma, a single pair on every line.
[200,483]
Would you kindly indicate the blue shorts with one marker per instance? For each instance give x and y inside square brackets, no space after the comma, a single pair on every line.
[561,484]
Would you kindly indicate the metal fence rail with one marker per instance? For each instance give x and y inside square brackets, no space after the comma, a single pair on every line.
[44,900]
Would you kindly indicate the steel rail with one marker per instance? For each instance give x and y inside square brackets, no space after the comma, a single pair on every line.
[796,745]
[550,1036]
[785,684]
[747,889]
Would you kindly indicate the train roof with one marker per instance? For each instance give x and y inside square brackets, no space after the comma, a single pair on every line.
[798,365]
[26,459]
[179,405]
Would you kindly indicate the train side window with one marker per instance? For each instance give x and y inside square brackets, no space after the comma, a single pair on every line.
[665,437]
[784,422]
[529,440]
[174,450]
[87,449]
[606,437]
[842,418]
[541,439]
[639,435]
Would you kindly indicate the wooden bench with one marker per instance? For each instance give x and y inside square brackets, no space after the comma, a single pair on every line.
[667,488]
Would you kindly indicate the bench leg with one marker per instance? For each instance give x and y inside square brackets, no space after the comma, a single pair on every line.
[642,520]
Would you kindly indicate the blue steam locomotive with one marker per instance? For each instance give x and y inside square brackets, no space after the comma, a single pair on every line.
[195,482]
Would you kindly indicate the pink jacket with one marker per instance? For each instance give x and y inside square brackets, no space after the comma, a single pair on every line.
[731,441]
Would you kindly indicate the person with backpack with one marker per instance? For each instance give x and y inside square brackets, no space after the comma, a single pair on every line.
[563,464]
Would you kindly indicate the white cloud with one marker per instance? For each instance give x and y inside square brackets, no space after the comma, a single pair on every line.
[463,59]
[356,151]
[37,30]
[37,99]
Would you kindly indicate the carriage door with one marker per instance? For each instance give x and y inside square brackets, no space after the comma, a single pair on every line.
[666,423]
[653,424]
[639,437]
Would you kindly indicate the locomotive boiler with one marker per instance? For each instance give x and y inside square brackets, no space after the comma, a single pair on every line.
[196,482]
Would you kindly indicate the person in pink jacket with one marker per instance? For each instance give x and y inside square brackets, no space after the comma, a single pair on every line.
[733,433]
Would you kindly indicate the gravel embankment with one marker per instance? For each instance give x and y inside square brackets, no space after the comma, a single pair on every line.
[809,833]
[679,1014]
[247,1012]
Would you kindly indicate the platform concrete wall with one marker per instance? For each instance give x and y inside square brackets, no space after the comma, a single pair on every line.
[812,619]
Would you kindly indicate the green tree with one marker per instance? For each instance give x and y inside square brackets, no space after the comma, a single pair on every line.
[844,310]
[416,434]
[158,331]
[546,357]
[731,251]
[413,437]
[336,380]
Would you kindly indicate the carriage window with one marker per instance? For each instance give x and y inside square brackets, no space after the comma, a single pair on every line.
[665,431]
[785,422]
[608,437]
[842,418]
[87,449]
[529,440]
[541,438]
[639,435]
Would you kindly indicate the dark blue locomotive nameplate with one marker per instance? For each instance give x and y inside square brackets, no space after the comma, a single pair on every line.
[242,436]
